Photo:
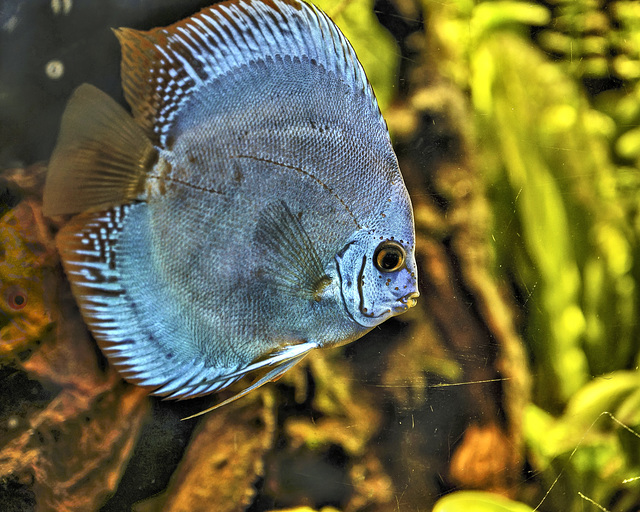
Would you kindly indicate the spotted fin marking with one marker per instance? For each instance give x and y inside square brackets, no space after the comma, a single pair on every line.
[289,260]
[86,245]
[163,66]
[101,158]
[283,360]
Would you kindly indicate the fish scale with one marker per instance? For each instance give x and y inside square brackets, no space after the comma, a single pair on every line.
[248,211]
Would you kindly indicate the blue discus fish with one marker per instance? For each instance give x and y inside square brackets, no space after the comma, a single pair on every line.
[250,211]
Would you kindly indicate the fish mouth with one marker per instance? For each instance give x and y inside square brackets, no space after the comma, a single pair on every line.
[408,301]
[400,306]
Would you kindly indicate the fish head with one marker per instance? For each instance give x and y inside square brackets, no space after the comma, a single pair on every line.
[377,268]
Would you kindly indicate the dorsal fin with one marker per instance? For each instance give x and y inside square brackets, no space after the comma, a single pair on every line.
[160,67]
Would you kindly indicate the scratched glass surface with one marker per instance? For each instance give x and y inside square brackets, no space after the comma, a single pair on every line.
[513,383]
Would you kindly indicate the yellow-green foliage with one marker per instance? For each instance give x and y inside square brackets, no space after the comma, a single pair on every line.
[557,188]
[561,163]
[467,501]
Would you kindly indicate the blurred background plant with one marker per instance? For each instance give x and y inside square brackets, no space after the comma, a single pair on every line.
[554,89]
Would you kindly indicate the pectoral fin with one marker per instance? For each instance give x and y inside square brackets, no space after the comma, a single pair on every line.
[288,258]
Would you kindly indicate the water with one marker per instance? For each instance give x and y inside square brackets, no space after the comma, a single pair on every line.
[521,166]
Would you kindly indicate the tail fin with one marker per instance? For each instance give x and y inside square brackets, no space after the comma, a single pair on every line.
[101,158]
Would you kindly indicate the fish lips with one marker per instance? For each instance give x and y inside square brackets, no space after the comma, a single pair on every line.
[398,301]
[407,302]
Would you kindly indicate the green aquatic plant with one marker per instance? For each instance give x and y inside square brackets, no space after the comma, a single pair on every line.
[555,99]
[478,502]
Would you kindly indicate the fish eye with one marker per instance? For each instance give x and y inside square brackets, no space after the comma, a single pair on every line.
[16,298]
[389,256]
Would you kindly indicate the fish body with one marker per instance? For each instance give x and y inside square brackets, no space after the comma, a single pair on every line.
[252,209]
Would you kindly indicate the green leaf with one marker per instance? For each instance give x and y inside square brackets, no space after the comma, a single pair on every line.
[628,145]
[629,410]
[476,501]
[489,16]
[605,393]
